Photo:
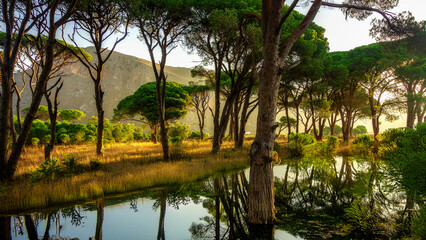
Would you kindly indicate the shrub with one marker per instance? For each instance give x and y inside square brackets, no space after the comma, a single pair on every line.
[35,141]
[46,170]
[316,149]
[332,142]
[95,164]
[70,162]
[176,140]
[296,141]
[64,138]
[276,146]
[179,130]
[362,144]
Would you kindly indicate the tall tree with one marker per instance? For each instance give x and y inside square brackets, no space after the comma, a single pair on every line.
[161,24]
[97,21]
[19,17]
[261,194]
[143,104]
[407,32]
[200,98]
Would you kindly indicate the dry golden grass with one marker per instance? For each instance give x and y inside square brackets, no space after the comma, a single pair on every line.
[125,167]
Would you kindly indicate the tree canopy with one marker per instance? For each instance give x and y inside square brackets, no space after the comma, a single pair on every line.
[143,103]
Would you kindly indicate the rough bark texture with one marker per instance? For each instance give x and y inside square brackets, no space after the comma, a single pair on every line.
[8,164]
[261,191]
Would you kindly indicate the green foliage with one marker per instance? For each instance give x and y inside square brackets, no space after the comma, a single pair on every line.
[332,142]
[316,149]
[358,130]
[197,135]
[365,223]
[47,170]
[95,164]
[64,138]
[276,146]
[362,145]
[176,140]
[407,160]
[143,103]
[71,115]
[296,141]
[179,130]
[70,162]
[35,141]
[419,223]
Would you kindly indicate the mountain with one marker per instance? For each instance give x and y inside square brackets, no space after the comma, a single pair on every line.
[122,76]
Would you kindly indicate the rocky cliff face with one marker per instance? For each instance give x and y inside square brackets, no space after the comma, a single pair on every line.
[122,76]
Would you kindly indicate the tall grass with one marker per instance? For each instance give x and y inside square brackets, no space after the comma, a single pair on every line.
[125,167]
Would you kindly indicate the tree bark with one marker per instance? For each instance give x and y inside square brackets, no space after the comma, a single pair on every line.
[261,191]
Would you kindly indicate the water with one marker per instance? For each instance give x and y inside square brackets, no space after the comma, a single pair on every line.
[342,198]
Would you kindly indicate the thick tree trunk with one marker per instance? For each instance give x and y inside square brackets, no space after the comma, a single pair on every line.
[161,99]
[6,103]
[154,133]
[261,208]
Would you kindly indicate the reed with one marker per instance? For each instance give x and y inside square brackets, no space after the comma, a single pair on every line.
[125,167]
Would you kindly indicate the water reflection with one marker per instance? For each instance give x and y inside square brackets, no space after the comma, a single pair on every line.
[342,198]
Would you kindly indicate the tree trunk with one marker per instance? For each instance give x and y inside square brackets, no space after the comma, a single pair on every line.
[411,113]
[261,208]
[99,95]
[154,133]
[6,103]
[216,128]
[161,98]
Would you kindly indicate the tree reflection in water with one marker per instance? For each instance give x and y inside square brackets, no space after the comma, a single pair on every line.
[321,198]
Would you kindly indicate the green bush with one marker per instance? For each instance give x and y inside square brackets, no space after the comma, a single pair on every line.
[276,146]
[47,170]
[176,140]
[64,138]
[407,161]
[332,142]
[296,141]
[179,130]
[419,223]
[70,162]
[35,141]
[362,145]
[197,135]
[95,164]
[316,149]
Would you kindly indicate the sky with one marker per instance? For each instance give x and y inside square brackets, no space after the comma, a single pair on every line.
[342,34]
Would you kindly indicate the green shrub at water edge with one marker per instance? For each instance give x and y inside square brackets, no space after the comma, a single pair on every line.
[362,145]
[332,142]
[296,141]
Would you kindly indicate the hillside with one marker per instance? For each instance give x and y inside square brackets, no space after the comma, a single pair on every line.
[122,76]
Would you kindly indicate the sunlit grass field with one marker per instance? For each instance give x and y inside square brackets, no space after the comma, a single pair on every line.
[124,168]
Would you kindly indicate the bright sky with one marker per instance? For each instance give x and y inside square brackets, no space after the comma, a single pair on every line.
[342,34]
